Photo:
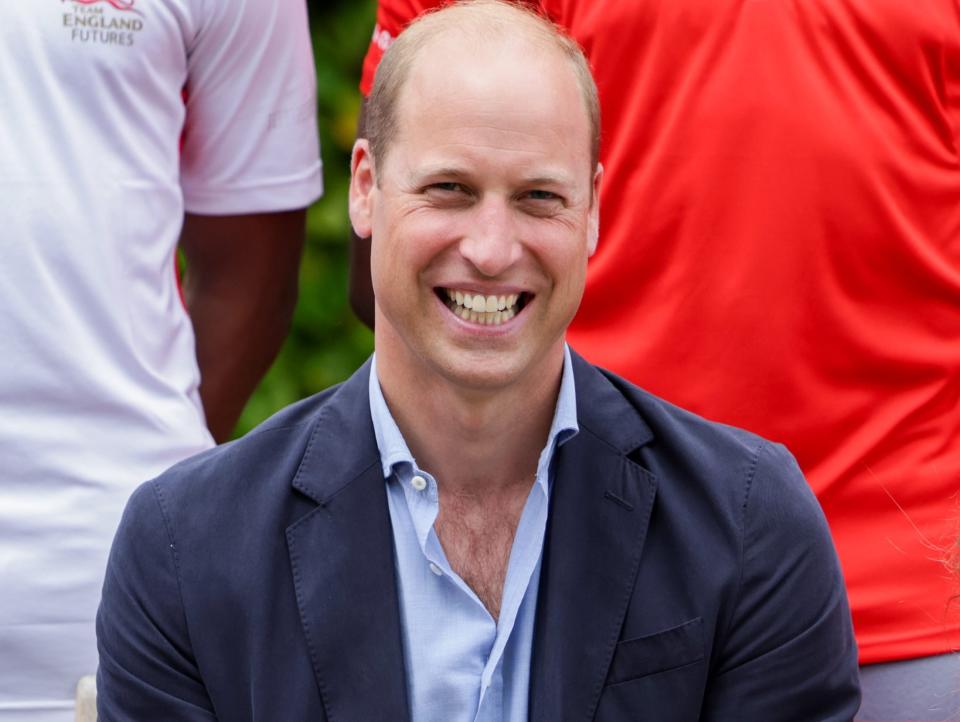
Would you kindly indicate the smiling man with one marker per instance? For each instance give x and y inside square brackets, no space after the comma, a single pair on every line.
[478,525]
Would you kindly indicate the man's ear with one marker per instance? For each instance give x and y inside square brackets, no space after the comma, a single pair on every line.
[593,223]
[363,184]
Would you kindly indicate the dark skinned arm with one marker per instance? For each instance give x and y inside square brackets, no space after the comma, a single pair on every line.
[361,286]
[240,288]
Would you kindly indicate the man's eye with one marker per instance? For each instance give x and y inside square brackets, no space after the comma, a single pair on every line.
[446,187]
[542,196]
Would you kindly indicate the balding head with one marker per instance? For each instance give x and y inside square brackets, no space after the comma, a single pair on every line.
[480,23]
[483,186]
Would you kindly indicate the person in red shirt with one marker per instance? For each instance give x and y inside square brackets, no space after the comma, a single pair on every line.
[780,250]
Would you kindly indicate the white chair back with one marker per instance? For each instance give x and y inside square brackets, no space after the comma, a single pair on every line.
[87,699]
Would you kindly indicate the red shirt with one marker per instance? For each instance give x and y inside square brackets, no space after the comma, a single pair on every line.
[780,250]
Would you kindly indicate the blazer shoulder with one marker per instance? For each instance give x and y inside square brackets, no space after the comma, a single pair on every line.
[263,463]
[694,455]
[283,433]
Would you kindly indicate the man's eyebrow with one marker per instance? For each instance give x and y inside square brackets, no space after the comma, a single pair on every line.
[460,173]
[559,179]
[445,171]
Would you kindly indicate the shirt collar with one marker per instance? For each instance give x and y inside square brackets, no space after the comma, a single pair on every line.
[394,450]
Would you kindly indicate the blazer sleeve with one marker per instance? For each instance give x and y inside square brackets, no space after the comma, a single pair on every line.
[147,671]
[788,653]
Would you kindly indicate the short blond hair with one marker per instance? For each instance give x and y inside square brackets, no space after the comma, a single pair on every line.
[493,17]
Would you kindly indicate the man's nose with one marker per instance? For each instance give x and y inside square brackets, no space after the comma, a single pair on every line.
[492,243]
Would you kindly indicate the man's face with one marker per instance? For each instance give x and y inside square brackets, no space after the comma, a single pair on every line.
[483,214]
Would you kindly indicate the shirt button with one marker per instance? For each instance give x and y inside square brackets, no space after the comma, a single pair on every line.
[436,570]
[418,483]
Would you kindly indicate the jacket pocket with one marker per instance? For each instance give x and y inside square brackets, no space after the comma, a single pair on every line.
[658,652]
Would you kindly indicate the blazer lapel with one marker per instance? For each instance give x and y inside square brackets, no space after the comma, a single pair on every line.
[600,503]
[342,559]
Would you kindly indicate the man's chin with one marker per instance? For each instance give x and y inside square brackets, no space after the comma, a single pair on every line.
[489,371]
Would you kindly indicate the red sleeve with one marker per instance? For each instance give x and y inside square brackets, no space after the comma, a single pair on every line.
[392,17]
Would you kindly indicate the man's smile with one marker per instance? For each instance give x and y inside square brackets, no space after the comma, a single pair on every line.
[485,310]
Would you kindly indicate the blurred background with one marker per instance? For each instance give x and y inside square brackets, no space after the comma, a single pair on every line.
[327,342]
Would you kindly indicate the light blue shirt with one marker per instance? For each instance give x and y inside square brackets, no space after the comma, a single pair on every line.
[461,664]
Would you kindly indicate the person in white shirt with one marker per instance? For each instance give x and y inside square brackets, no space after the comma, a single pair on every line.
[131,128]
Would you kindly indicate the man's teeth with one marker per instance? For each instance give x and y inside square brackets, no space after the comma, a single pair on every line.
[488,310]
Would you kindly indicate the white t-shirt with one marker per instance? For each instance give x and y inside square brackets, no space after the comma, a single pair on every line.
[98,377]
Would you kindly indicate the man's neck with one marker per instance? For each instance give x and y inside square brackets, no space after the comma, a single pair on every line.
[473,442]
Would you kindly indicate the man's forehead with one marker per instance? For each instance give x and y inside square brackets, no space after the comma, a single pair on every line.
[523,152]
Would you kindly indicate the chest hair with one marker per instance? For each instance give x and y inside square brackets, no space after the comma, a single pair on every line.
[476,532]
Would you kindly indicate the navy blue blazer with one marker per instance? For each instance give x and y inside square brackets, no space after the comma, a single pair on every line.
[688,574]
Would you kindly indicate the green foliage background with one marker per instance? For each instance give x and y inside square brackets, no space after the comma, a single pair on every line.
[327,342]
